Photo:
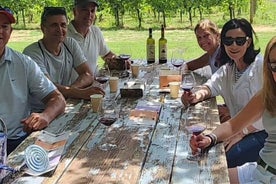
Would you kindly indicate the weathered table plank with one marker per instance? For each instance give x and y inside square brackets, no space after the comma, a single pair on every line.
[120,165]
[211,169]
[159,162]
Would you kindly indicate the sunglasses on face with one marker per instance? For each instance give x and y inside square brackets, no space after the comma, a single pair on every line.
[240,41]
[272,66]
[6,10]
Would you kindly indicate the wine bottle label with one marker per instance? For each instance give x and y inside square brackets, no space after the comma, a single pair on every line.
[150,52]
[163,52]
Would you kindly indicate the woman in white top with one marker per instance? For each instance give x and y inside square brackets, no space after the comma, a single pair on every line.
[262,105]
[237,82]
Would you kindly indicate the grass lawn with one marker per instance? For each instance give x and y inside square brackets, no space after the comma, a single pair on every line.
[134,42]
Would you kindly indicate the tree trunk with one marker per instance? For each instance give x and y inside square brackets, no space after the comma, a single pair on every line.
[200,13]
[117,19]
[253,8]
[23,17]
[231,11]
[181,16]
[139,16]
[164,19]
[190,16]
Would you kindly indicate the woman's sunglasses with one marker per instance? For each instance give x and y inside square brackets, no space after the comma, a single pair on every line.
[240,41]
[272,66]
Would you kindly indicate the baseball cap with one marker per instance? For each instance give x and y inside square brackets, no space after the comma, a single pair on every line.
[8,13]
[85,2]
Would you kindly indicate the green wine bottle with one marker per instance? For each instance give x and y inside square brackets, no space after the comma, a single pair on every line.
[162,47]
[150,48]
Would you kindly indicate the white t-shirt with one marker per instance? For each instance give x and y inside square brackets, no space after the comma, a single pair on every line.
[93,45]
[237,94]
[60,67]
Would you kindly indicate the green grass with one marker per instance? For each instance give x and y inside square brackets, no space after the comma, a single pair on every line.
[135,41]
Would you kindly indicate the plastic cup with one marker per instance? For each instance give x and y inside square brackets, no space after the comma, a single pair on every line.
[113,84]
[174,89]
[96,101]
[135,70]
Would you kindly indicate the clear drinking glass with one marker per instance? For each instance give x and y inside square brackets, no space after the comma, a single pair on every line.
[195,125]
[102,75]
[125,55]
[108,113]
[177,59]
[188,81]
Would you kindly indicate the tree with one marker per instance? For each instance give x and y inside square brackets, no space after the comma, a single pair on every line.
[137,6]
[253,8]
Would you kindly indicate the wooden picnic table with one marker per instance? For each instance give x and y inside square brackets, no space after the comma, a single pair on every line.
[149,152]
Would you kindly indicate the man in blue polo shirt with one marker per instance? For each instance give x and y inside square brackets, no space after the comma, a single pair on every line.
[21,78]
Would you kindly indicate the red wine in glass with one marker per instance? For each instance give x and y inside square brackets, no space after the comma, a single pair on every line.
[177,65]
[187,88]
[107,121]
[102,79]
[196,129]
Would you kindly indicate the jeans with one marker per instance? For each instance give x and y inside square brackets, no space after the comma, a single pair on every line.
[247,150]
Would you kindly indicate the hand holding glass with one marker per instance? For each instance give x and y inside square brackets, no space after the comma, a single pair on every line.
[195,125]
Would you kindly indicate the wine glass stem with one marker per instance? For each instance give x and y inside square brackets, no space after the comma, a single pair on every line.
[126,65]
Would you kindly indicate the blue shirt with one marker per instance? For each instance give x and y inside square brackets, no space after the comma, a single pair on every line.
[21,78]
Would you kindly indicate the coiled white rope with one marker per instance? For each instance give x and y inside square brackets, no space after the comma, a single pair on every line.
[36,158]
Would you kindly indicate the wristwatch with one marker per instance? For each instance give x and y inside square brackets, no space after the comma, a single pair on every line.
[245,131]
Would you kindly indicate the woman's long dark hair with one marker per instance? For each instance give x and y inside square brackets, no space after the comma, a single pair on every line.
[246,27]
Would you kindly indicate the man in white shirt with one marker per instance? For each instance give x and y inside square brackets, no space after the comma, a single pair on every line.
[89,36]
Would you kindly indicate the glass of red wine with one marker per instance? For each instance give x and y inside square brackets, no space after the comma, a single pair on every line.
[108,113]
[125,58]
[177,59]
[102,75]
[195,125]
[188,81]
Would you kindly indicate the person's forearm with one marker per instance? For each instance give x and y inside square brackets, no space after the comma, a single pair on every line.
[69,91]
[249,114]
[83,81]
[55,105]
[198,62]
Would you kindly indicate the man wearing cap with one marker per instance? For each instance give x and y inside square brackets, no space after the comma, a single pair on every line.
[89,36]
[57,56]
[22,78]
